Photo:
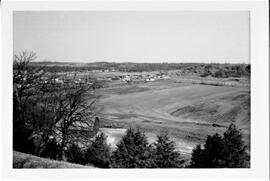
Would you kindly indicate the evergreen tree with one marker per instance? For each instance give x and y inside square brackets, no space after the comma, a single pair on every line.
[197,158]
[133,151]
[212,156]
[98,152]
[222,152]
[214,152]
[165,154]
[235,152]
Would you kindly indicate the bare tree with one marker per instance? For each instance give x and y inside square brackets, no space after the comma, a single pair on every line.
[45,108]
[26,84]
[74,114]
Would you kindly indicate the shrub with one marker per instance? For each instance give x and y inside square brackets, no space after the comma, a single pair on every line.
[21,141]
[75,154]
[205,73]
[220,74]
[247,69]
[51,150]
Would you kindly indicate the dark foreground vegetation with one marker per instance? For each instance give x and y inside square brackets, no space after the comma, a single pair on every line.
[58,121]
[228,151]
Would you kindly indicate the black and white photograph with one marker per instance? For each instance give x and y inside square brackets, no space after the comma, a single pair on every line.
[135,89]
[131,89]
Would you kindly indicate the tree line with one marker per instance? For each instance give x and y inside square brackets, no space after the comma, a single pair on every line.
[134,151]
[202,69]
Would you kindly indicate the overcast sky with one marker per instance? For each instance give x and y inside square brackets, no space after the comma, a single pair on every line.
[134,36]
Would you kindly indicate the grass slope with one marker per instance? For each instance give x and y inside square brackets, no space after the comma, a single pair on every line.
[189,112]
[23,160]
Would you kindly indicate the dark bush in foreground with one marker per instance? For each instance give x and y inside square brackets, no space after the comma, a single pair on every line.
[75,154]
[51,150]
[228,151]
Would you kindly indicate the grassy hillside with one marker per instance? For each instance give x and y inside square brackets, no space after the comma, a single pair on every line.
[189,112]
[23,160]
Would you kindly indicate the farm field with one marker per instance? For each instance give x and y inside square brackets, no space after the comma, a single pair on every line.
[187,110]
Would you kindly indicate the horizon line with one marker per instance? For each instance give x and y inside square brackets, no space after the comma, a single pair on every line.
[102,61]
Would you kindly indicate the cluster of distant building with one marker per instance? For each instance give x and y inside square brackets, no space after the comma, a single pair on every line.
[144,77]
[78,78]
[68,77]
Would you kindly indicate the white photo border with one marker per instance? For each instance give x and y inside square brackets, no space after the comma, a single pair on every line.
[259,29]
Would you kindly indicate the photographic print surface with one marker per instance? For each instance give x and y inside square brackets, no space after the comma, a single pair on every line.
[131,89]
